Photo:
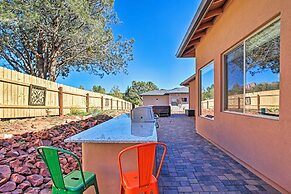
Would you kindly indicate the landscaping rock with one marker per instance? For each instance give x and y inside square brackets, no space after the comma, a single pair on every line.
[9,186]
[15,163]
[5,174]
[30,150]
[17,178]
[17,191]
[35,179]
[26,172]
[24,185]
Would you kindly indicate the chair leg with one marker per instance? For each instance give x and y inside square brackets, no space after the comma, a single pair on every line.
[155,188]
[122,191]
[96,187]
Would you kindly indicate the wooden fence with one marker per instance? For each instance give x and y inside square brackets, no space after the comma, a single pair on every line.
[23,96]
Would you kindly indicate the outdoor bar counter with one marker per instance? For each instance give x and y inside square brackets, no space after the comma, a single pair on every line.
[102,143]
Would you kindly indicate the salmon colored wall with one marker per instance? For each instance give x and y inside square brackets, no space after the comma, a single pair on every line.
[263,144]
[192,94]
[156,100]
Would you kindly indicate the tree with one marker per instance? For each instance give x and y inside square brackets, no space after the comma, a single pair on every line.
[98,89]
[115,91]
[208,93]
[81,87]
[51,38]
[132,93]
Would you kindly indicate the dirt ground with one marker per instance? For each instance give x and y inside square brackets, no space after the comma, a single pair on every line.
[11,127]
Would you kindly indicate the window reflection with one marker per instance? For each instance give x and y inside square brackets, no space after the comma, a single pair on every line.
[234,92]
[207,91]
[252,74]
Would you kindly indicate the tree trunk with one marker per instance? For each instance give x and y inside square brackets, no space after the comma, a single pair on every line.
[53,70]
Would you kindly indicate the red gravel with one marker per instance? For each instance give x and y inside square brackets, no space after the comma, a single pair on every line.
[21,168]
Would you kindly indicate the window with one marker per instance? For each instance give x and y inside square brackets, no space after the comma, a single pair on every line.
[252,74]
[184,100]
[207,91]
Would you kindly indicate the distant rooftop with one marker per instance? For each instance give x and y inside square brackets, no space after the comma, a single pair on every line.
[180,90]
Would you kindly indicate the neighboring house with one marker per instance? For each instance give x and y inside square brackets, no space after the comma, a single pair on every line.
[190,83]
[177,98]
[242,51]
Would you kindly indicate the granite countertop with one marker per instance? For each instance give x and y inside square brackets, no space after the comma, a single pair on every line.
[118,130]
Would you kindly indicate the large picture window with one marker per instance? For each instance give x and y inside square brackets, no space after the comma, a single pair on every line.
[252,74]
[207,91]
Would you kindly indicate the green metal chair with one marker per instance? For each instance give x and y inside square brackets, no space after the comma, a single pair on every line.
[75,182]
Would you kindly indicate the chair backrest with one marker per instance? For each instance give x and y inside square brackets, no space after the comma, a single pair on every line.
[146,160]
[50,156]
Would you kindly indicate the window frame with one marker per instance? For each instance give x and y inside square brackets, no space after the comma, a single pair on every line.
[224,72]
[199,90]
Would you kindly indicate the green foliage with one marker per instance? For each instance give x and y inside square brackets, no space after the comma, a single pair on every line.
[132,93]
[208,93]
[98,89]
[81,87]
[77,111]
[50,38]
[115,91]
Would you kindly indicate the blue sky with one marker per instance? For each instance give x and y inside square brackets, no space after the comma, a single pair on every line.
[158,28]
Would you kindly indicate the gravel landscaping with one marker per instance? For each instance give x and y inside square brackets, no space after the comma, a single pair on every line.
[21,168]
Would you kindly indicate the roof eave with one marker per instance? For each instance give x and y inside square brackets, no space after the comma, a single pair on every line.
[203,7]
[187,81]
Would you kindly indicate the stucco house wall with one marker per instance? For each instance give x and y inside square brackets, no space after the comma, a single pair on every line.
[192,94]
[156,100]
[262,144]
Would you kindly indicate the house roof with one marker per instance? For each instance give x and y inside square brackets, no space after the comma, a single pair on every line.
[204,18]
[154,93]
[188,80]
[180,90]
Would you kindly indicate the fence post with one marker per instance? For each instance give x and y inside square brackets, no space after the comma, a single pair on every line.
[61,102]
[102,103]
[87,102]
[207,104]
[117,104]
[238,101]
[111,104]
[258,102]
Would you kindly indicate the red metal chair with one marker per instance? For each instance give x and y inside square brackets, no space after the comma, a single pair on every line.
[142,180]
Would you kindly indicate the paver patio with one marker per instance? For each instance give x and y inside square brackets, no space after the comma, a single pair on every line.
[193,165]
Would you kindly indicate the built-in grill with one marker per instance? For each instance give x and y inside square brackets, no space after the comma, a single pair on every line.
[143,114]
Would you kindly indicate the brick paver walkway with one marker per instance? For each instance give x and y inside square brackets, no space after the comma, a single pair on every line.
[193,165]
